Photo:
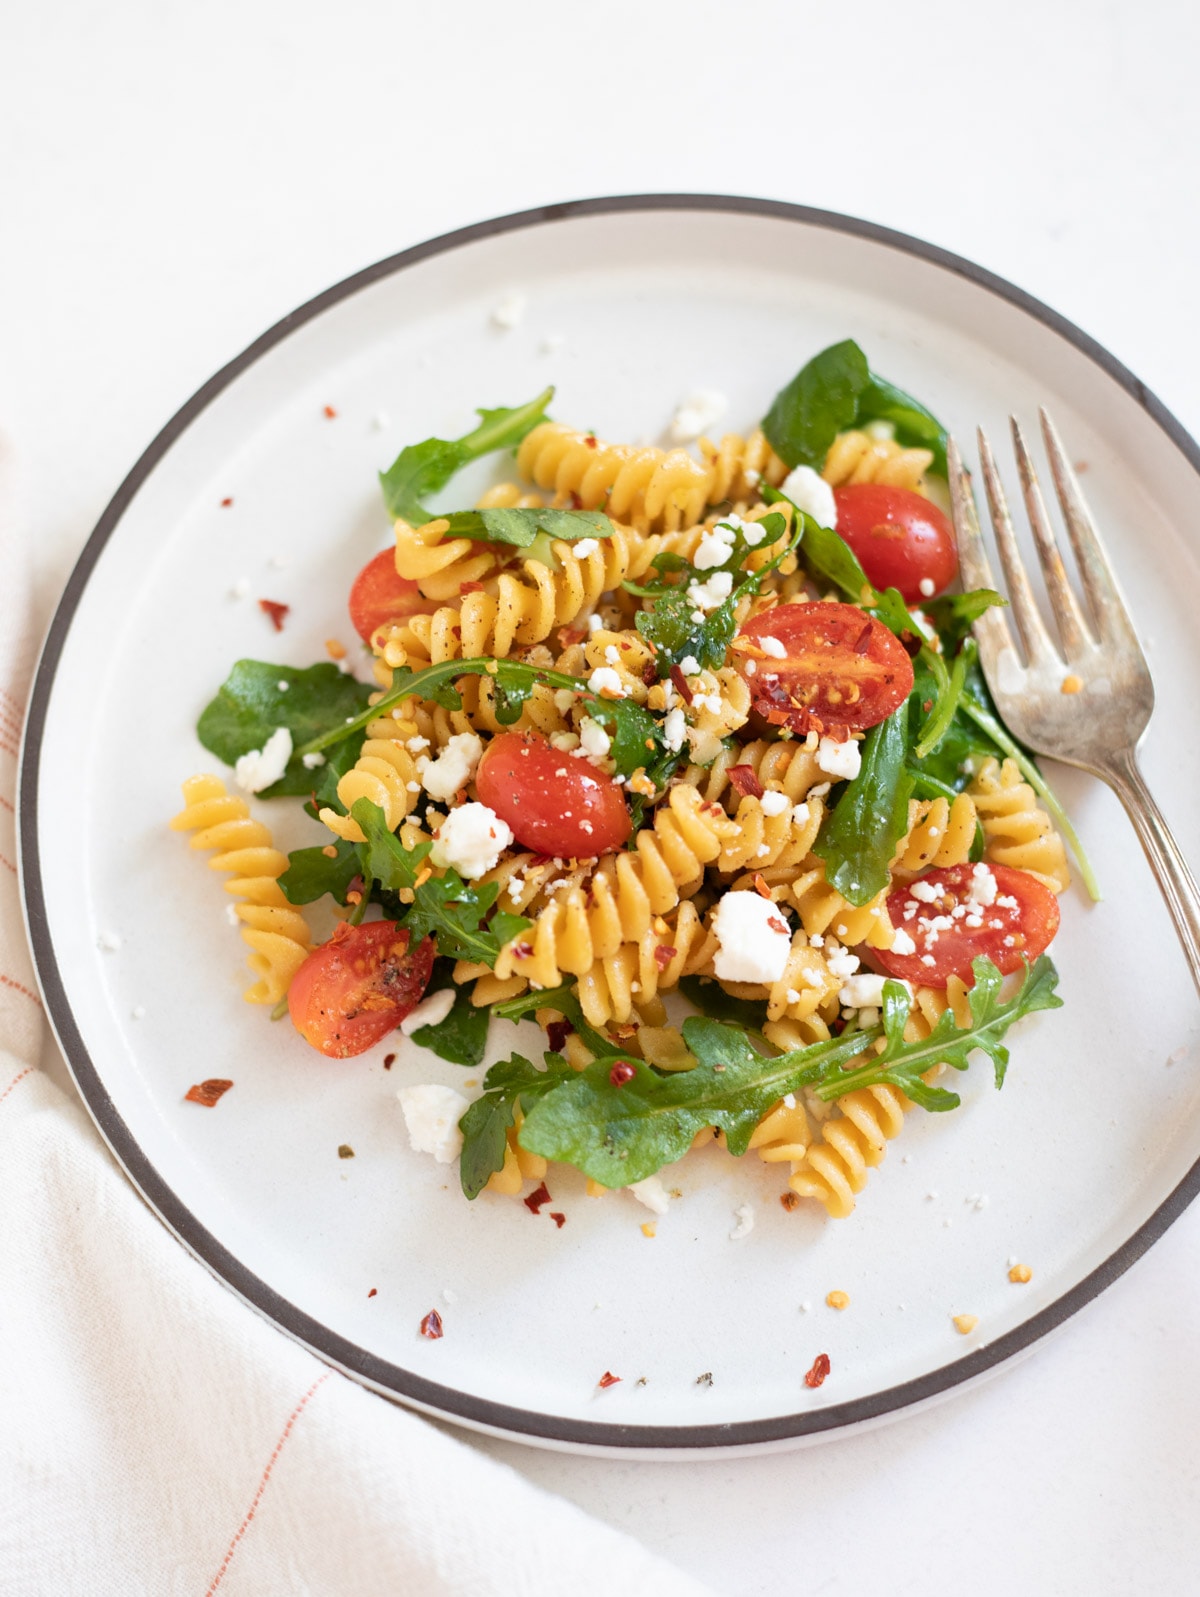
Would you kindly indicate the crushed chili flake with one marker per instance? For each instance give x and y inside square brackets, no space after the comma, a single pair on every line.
[388,1061]
[663,956]
[345,1151]
[820,1369]
[608,1379]
[576,501]
[557,1033]
[681,686]
[226,502]
[590,440]
[208,1093]
[567,636]
[328,412]
[649,671]
[431,1325]
[790,1199]
[760,885]
[277,612]
[863,642]
[560,1220]
[373,1291]
[471,587]
[745,779]
[537,1198]
[621,1072]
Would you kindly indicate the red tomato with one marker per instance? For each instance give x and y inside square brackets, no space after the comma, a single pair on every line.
[839,667]
[380,594]
[956,927]
[553,803]
[358,986]
[901,539]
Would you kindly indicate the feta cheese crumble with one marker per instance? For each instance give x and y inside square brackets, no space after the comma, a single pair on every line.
[773,647]
[594,740]
[695,414]
[843,760]
[584,547]
[652,1193]
[774,803]
[714,548]
[708,595]
[674,729]
[431,1114]
[605,680]
[902,943]
[754,938]
[811,493]
[509,312]
[864,991]
[310,762]
[471,840]
[430,1011]
[453,768]
[744,1215]
[260,767]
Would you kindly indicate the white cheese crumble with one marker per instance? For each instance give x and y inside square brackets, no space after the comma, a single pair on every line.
[811,493]
[509,312]
[744,1215]
[690,666]
[431,1114]
[864,991]
[109,942]
[708,595]
[902,943]
[652,1193]
[841,962]
[594,740]
[774,803]
[754,938]
[714,548]
[983,885]
[453,768]
[240,589]
[773,647]
[430,1011]
[695,414]
[584,547]
[594,623]
[926,586]
[471,840]
[843,760]
[311,761]
[674,729]
[604,679]
[261,767]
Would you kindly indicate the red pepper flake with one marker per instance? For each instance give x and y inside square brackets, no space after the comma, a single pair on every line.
[927,706]
[208,1093]
[663,956]
[536,1199]
[560,1220]
[776,924]
[760,885]
[568,637]
[621,1072]
[863,642]
[680,681]
[373,1291]
[470,587]
[226,502]
[819,1371]
[590,440]
[329,413]
[745,779]
[431,1325]
[790,1199]
[388,1061]
[276,611]
[649,671]
[608,1379]
[557,1033]
[576,501]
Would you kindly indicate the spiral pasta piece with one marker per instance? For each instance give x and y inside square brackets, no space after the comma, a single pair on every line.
[385,773]
[782,1134]
[440,565]
[1017,831]
[637,972]
[822,909]
[275,930]
[737,466]
[860,456]
[940,832]
[652,490]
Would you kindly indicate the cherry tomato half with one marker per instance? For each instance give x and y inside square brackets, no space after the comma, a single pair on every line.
[820,666]
[380,594]
[354,989]
[901,539]
[946,915]
[554,804]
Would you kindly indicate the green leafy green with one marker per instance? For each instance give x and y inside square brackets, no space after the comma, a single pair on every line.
[711,999]
[251,704]
[486,1123]
[859,835]
[903,1065]
[521,527]
[425,468]
[566,1001]
[462,1036]
[835,391]
[311,873]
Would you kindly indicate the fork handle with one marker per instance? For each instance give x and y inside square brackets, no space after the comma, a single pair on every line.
[1175,880]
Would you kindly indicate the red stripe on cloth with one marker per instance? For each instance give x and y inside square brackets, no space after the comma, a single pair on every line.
[28,1071]
[262,1485]
[8,747]
[18,987]
[8,864]
[5,805]
[17,704]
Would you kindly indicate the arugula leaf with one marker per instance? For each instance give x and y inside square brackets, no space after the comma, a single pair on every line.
[954,613]
[311,873]
[622,1134]
[711,999]
[566,1001]
[835,391]
[486,1123]
[521,527]
[902,1064]
[859,835]
[423,469]
[250,705]
[462,1036]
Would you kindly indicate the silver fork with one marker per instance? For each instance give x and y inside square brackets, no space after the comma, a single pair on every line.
[1087,698]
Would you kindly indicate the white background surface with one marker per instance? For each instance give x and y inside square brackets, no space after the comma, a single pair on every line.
[173,178]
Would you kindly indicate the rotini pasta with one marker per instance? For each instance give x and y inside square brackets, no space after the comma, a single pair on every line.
[1018,833]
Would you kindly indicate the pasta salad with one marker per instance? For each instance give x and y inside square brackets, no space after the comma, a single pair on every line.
[682,754]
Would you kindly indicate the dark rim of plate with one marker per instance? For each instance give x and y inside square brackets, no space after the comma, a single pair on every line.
[383,1377]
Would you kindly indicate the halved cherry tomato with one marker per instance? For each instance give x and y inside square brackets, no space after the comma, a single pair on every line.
[901,538]
[554,804]
[821,666]
[380,594]
[946,916]
[358,986]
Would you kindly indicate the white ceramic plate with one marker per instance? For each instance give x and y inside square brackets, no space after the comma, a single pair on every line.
[1086,1155]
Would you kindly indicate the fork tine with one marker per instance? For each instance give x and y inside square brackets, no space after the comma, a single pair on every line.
[992,631]
[1072,628]
[1110,616]
[1036,639]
